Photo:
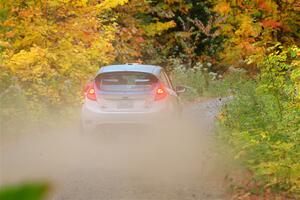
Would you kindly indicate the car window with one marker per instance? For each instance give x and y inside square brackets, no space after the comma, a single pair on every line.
[125,81]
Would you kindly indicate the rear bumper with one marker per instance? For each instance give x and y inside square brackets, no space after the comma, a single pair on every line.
[91,119]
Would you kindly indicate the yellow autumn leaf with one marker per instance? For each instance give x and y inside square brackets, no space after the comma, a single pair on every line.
[222,7]
[158,27]
[110,4]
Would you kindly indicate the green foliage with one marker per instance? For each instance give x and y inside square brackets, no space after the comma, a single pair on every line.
[262,123]
[201,83]
[193,39]
[29,191]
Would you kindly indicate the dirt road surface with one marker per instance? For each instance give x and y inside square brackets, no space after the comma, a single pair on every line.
[175,161]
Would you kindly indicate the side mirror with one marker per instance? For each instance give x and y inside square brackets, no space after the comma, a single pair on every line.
[180,89]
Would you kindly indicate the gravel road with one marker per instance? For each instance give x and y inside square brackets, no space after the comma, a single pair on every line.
[175,161]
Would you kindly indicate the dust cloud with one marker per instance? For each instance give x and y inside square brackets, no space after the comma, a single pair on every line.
[173,160]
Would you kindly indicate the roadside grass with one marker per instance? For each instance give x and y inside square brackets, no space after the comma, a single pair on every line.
[261,125]
[201,84]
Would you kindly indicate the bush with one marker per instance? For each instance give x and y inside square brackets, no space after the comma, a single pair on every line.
[201,83]
[262,123]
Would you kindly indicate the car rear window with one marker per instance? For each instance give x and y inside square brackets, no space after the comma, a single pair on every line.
[126,81]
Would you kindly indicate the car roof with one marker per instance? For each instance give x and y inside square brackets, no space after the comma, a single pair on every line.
[131,67]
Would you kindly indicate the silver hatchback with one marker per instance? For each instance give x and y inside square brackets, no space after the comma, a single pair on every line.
[129,93]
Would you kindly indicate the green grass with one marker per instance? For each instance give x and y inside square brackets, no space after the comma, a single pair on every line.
[200,83]
[28,191]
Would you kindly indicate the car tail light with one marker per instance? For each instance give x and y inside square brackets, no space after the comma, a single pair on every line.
[90,92]
[87,87]
[160,92]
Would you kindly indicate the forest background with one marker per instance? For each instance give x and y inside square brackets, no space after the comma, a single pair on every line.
[248,49]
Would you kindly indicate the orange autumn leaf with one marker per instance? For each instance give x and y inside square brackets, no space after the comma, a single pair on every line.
[222,8]
[10,34]
[270,23]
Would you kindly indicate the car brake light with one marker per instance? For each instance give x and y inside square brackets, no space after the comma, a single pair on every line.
[160,92]
[87,87]
[91,94]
